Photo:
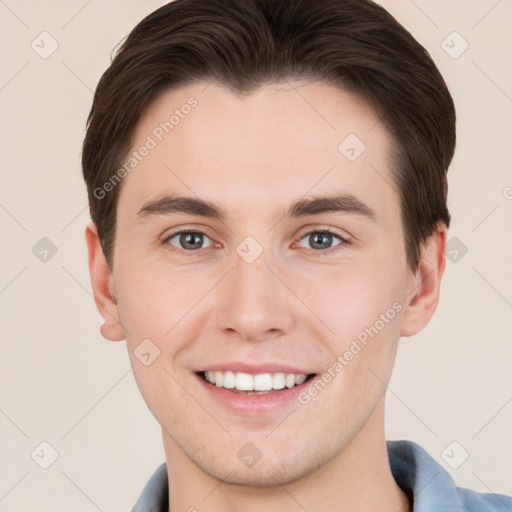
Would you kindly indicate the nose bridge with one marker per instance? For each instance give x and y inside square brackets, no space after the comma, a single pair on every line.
[253,300]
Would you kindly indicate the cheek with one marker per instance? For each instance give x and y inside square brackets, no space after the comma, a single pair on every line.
[353,297]
[163,302]
[157,299]
[162,393]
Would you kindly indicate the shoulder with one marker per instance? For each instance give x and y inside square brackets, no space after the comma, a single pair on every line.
[484,502]
[155,495]
[432,488]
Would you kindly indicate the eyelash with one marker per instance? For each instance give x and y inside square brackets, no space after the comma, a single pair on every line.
[315,252]
[325,252]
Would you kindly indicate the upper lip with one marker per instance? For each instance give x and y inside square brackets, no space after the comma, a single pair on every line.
[254,369]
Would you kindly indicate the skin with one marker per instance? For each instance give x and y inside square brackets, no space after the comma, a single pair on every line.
[253,156]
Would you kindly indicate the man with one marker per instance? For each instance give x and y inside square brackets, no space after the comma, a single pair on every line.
[267,184]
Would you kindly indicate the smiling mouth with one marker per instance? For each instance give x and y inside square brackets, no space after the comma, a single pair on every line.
[259,384]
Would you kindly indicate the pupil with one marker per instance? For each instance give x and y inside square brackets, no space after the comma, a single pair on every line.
[191,240]
[320,238]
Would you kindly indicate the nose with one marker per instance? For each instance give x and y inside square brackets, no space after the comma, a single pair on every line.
[254,304]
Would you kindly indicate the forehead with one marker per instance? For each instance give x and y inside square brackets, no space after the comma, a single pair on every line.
[277,143]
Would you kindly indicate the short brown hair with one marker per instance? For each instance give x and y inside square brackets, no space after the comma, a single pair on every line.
[243,44]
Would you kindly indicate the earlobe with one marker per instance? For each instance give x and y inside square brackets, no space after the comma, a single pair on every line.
[423,295]
[103,286]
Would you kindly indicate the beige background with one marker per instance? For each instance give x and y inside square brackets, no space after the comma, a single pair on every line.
[62,383]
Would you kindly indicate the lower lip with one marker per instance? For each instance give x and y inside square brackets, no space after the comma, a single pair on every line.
[254,405]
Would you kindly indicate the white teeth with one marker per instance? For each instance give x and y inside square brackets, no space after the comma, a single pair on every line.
[278,381]
[244,382]
[263,382]
[219,379]
[229,380]
[299,379]
[290,380]
[260,382]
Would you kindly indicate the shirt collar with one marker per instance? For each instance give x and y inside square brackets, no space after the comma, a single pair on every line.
[427,484]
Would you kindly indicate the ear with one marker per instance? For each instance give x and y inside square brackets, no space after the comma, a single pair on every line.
[425,283]
[103,286]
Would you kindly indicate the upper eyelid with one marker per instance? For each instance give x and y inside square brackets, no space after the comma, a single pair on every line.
[184,231]
[325,230]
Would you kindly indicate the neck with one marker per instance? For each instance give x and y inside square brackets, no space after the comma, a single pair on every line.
[357,479]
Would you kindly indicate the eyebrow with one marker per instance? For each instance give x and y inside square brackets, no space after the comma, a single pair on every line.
[343,203]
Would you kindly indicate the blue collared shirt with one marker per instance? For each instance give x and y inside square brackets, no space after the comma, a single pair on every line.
[425,482]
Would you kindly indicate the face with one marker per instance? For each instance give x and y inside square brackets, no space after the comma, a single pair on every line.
[258,244]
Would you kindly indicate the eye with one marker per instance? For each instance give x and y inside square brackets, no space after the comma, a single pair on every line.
[188,240]
[322,240]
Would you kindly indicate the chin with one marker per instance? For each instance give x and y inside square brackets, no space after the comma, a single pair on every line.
[269,471]
[271,475]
